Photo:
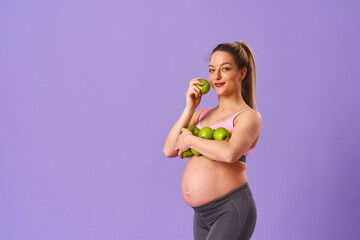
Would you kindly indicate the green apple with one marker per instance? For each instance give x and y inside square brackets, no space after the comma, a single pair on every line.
[206,132]
[204,88]
[188,153]
[222,134]
[194,130]
[195,152]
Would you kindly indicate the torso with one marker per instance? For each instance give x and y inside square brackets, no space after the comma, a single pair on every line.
[205,180]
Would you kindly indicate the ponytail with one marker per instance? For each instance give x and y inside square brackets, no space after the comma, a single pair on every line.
[248,84]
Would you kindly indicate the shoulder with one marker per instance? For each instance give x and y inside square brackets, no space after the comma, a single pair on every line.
[199,111]
[247,128]
[251,116]
[195,116]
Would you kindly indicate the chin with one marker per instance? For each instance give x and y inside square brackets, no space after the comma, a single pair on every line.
[223,92]
[220,93]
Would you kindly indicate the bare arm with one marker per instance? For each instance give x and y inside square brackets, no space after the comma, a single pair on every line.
[244,134]
[170,142]
[187,118]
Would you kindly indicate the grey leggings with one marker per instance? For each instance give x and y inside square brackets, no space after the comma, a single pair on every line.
[231,216]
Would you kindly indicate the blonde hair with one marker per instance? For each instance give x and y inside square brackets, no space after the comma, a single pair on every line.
[243,57]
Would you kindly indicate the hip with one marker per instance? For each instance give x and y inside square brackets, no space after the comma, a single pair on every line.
[242,192]
[231,216]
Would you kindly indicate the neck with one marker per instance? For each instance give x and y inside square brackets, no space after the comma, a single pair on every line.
[231,102]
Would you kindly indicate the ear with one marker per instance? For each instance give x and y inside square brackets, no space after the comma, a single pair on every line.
[243,72]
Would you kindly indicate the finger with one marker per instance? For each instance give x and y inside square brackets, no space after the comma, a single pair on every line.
[194,90]
[186,130]
[197,90]
[191,82]
[196,81]
[194,86]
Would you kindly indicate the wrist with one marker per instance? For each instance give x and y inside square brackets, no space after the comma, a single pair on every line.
[189,108]
[189,140]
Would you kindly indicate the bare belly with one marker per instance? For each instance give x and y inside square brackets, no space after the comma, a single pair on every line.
[205,180]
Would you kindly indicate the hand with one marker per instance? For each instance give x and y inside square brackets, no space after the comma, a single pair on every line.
[182,144]
[193,94]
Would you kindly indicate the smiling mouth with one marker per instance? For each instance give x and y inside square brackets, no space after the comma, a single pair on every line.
[219,84]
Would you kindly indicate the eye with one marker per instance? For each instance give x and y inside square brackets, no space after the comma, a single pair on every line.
[211,70]
[226,69]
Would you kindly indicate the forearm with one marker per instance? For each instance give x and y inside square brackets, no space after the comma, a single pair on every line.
[216,150]
[171,139]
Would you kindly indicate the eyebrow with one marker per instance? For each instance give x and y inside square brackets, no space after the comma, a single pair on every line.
[221,64]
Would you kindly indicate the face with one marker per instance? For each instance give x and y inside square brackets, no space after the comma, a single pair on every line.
[224,75]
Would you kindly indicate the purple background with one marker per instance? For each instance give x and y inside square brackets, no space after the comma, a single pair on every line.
[90,89]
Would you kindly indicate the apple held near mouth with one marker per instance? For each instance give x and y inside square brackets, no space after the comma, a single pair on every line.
[222,134]
[204,88]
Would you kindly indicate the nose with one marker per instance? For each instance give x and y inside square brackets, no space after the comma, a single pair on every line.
[217,75]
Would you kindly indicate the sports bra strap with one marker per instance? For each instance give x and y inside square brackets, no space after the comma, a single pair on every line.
[202,115]
[236,114]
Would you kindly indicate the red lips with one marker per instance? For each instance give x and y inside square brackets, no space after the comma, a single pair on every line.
[219,84]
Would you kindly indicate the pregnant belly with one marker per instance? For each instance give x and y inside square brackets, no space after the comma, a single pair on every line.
[205,180]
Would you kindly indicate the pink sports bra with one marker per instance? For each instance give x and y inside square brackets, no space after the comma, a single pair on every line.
[228,124]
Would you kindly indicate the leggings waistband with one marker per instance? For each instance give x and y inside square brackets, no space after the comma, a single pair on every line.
[242,190]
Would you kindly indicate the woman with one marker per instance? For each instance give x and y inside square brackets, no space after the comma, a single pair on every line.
[214,184]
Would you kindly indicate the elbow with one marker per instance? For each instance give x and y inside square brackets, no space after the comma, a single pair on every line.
[168,153]
[231,157]
[230,160]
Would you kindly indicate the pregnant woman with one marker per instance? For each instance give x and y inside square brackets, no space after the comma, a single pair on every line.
[214,184]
